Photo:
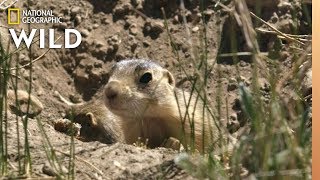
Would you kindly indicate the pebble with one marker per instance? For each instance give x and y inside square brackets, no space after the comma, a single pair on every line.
[22,108]
[243,64]
[233,84]
[95,26]
[146,43]
[115,38]
[133,29]
[99,44]
[158,26]
[307,83]
[77,19]
[85,32]
[195,29]
[75,10]
[176,19]
[105,21]
[23,59]
[234,124]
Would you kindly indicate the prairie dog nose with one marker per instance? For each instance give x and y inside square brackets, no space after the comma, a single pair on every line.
[112,90]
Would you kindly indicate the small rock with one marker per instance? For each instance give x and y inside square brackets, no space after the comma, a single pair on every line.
[195,29]
[175,19]
[115,38]
[74,11]
[122,10]
[133,29]
[105,21]
[66,126]
[158,26]
[243,64]
[233,125]
[245,80]
[233,84]
[75,98]
[209,12]
[184,47]
[85,32]
[23,59]
[146,43]
[95,26]
[77,20]
[22,107]
[50,171]
[306,85]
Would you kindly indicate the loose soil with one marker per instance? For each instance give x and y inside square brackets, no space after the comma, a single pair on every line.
[116,30]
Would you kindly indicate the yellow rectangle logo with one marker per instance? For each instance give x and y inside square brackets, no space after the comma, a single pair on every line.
[15,13]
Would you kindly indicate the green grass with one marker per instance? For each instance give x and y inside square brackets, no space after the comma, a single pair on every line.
[9,77]
[278,143]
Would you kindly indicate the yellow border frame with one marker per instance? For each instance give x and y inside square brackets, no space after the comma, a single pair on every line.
[9,15]
[315,90]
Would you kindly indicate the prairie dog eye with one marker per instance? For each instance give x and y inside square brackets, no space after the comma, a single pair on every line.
[145,78]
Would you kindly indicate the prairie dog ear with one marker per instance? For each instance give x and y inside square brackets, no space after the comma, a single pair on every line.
[92,119]
[170,77]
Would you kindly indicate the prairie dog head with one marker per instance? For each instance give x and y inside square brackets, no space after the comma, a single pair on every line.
[139,88]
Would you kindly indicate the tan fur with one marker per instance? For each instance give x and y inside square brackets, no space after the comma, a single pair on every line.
[97,122]
[155,110]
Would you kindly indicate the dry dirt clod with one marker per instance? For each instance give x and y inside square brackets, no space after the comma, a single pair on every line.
[84,32]
[18,103]
[74,11]
[306,85]
[121,10]
[77,20]
[105,21]
[195,29]
[50,171]
[172,143]
[95,26]
[67,127]
[233,84]
[233,125]
[82,71]
[133,29]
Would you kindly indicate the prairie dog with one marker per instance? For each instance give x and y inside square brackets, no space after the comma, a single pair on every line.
[97,122]
[143,96]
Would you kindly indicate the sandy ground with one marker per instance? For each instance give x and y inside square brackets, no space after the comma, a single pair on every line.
[116,30]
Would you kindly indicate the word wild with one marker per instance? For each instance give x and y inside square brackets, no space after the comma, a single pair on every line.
[51,41]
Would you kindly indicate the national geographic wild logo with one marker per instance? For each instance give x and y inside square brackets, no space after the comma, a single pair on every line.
[17,16]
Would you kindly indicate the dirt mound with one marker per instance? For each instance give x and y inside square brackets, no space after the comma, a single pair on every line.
[116,30]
